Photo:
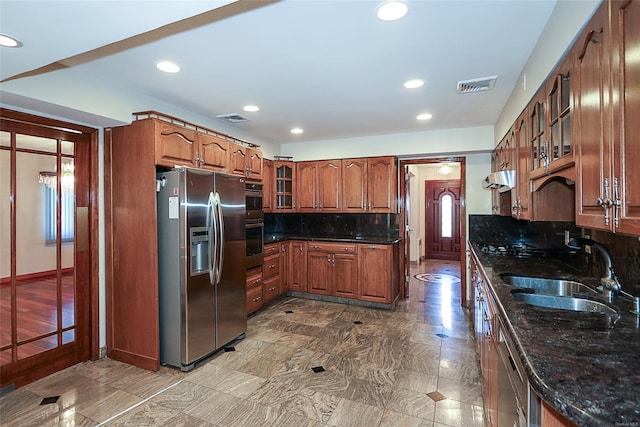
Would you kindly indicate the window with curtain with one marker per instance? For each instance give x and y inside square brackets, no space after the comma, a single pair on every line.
[67,204]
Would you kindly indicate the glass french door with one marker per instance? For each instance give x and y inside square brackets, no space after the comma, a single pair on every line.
[43,276]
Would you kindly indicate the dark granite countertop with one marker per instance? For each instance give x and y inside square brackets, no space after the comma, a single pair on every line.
[373,240]
[588,371]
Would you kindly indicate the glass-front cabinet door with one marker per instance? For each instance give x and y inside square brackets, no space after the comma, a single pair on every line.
[284,176]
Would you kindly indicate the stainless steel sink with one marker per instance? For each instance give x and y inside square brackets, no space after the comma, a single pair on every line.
[545,286]
[567,303]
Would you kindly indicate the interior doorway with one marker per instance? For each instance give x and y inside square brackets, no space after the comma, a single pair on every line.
[48,253]
[413,174]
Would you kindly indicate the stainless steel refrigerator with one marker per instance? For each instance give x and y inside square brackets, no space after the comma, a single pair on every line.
[201,264]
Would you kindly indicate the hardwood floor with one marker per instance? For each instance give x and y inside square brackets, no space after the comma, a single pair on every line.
[302,363]
[37,315]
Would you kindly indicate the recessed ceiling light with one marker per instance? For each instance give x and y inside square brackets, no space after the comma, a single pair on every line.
[9,41]
[168,67]
[425,116]
[296,130]
[413,83]
[392,10]
[251,108]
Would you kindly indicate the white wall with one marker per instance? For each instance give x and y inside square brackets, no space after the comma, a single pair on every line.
[564,25]
[404,145]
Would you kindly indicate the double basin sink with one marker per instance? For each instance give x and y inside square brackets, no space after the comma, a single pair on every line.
[557,294]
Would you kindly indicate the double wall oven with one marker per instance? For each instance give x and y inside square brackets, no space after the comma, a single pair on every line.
[254,224]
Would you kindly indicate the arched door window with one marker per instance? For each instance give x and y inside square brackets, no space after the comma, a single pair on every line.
[446,210]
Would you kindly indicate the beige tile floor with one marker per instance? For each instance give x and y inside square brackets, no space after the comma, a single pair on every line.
[414,366]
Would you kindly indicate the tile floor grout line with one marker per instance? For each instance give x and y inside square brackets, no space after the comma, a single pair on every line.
[138,404]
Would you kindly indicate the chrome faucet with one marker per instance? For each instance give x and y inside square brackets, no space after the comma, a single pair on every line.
[610,284]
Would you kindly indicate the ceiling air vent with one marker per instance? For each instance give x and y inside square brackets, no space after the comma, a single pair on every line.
[476,85]
[233,118]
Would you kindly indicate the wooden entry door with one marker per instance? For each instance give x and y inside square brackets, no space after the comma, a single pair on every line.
[46,247]
[442,219]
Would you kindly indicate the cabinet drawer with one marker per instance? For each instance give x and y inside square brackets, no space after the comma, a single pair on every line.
[271,249]
[254,299]
[332,247]
[254,277]
[271,266]
[271,289]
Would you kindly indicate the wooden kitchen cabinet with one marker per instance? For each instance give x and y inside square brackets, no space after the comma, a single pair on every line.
[285,183]
[268,185]
[332,269]
[378,279]
[213,152]
[502,159]
[174,145]
[297,266]
[246,161]
[271,272]
[521,195]
[284,268]
[370,185]
[485,326]
[319,186]
[608,152]
[254,289]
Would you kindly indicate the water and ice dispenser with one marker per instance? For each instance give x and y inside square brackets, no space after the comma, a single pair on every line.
[199,246]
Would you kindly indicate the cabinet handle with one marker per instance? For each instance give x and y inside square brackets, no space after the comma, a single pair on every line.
[256,299]
[272,266]
[257,281]
[313,247]
[272,289]
[605,203]
[616,203]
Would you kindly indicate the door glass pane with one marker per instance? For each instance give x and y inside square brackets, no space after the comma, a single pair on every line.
[67,147]
[5,253]
[446,206]
[5,139]
[36,259]
[566,135]
[30,142]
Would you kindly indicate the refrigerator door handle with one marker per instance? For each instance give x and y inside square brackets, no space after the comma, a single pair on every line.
[220,221]
[213,237]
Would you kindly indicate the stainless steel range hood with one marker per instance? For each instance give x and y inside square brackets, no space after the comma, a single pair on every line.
[501,181]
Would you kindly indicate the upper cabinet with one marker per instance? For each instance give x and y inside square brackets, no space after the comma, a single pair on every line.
[267,185]
[549,122]
[319,186]
[502,158]
[179,143]
[174,145]
[213,152]
[370,185]
[626,139]
[607,107]
[521,194]
[284,176]
[559,107]
[246,161]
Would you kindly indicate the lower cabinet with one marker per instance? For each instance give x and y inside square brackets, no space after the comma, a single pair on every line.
[254,289]
[347,270]
[485,325]
[378,281]
[297,266]
[332,269]
[271,275]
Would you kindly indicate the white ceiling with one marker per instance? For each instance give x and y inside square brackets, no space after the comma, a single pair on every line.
[330,67]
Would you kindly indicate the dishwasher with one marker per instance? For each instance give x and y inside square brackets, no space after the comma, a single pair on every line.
[513,386]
